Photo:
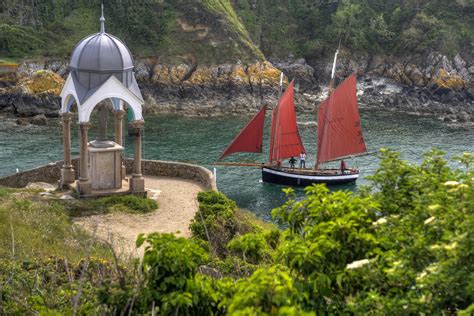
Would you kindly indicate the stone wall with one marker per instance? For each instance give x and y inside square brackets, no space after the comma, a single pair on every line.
[175,169]
[50,173]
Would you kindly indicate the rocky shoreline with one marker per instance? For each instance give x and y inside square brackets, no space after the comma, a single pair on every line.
[437,86]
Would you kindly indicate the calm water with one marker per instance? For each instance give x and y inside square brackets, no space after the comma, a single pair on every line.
[201,140]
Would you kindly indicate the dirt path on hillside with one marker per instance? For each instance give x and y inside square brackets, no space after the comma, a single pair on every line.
[177,204]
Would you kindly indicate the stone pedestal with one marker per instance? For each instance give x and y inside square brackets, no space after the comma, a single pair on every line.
[68,176]
[137,184]
[84,188]
[106,167]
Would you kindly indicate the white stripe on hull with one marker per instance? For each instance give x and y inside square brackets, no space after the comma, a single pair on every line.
[321,178]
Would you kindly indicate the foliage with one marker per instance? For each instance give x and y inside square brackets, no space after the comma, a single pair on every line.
[130,202]
[268,292]
[426,264]
[239,29]
[19,41]
[104,205]
[326,232]
[402,246]
[30,228]
[313,28]
[170,276]
[252,247]
[215,221]
[404,249]
[53,286]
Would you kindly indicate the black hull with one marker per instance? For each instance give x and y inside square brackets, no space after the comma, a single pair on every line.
[293,178]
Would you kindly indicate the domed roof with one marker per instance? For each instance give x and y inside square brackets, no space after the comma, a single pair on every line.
[96,59]
[101,52]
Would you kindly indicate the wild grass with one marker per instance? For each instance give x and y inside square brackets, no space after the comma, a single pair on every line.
[34,228]
[110,204]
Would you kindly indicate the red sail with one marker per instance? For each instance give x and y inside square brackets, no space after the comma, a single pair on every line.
[339,130]
[250,138]
[286,140]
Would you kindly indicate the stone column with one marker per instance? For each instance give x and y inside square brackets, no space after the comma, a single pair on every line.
[102,122]
[137,183]
[67,172]
[118,126]
[118,135]
[84,184]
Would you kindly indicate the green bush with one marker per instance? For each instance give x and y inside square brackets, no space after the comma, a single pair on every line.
[50,286]
[269,291]
[171,281]
[251,247]
[215,222]
[129,202]
[406,248]
[402,246]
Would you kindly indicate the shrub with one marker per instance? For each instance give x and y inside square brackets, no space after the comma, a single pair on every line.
[170,277]
[215,221]
[251,247]
[269,291]
[132,203]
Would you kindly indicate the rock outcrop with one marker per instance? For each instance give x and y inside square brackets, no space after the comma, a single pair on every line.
[435,85]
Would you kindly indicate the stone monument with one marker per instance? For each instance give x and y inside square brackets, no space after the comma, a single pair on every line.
[101,70]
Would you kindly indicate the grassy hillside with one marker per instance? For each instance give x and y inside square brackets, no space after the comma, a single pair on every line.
[203,31]
[220,31]
[33,228]
[308,28]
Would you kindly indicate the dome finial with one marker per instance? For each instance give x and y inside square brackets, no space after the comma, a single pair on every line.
[102,20]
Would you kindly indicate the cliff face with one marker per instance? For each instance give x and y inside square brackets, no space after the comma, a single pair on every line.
[437,85]
[210,57]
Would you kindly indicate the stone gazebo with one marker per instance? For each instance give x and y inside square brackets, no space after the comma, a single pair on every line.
[101,69]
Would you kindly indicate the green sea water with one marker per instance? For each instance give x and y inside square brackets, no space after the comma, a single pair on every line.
[201,140]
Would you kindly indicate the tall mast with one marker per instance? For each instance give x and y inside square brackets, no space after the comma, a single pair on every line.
[274,120]
[330,89]
[333,71]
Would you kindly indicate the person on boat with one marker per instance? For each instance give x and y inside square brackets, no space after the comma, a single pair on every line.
[343,166]
[302,160]
[292,162]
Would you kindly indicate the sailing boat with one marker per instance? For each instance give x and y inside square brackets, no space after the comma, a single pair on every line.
[339,137]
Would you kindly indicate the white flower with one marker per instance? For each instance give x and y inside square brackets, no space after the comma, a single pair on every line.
[451,246]
[357,264]
[380,221]
[421,276]
[429,220]
[451,183]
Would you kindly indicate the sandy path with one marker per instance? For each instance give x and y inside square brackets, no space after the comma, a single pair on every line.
[177,201]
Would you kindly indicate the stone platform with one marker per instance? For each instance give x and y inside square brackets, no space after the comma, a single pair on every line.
[124,190]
